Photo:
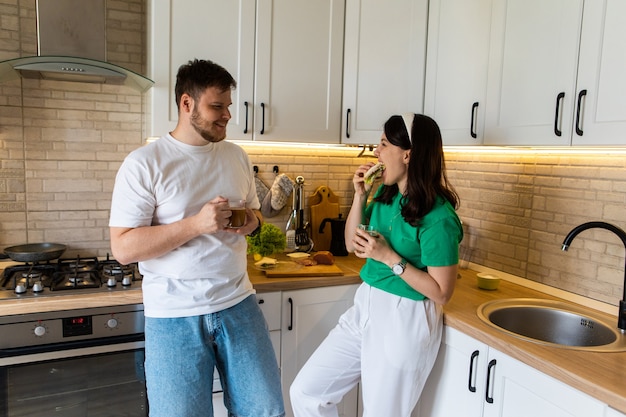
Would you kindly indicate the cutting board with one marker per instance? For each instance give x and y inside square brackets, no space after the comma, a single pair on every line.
[323,203]
[297,270]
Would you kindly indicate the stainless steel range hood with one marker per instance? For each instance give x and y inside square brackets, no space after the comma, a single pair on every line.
[71,38]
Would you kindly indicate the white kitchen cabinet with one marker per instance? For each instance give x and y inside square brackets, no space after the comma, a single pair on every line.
[515,389]
[219,409]
[456,68]
[557,73]
[286,56]
[270,304]
[308,316]
[474,380]
[384,65]
[532,72]
[455,386]
[602,74]
[611,412]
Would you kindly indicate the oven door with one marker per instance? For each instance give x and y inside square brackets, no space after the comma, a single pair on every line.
[102,380]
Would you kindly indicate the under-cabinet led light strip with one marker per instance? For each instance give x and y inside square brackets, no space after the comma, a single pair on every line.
[575,150]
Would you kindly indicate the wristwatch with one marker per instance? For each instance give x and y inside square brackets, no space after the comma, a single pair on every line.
[399,267]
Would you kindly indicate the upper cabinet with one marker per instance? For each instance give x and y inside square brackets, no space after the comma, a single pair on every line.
[532,75]
[557,73]
[286,56]
[602,75]
[384,65]
[456,68]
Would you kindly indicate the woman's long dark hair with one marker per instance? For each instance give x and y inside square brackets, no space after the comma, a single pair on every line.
[427,177]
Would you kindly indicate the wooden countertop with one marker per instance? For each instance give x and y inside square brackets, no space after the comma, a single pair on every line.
[600,375]
[349,264]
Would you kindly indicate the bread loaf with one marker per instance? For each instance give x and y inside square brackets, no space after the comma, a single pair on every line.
[324,257]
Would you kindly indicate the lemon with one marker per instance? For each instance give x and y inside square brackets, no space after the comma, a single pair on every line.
[257,257]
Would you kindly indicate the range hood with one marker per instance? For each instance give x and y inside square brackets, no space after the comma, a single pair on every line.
[71,40]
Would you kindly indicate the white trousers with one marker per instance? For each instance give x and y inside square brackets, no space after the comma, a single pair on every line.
[386,342]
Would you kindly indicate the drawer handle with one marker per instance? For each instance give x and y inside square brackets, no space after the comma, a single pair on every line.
[245,129]
[559,99]
[473,122]
[471,384]
[582,94]
[492,365]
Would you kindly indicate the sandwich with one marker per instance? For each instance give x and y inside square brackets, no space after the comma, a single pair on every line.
[374,173]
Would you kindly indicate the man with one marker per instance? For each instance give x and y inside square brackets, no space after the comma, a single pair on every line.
[170,212]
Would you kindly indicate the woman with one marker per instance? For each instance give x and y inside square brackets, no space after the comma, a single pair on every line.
[389,339]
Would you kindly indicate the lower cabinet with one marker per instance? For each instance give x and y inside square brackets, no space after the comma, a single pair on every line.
[610,412]
[471,379]
[456,385]
[219,409]
[298,322]
[308,316]
[270,304]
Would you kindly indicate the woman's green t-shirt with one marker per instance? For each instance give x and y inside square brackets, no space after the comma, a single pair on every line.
[435,242]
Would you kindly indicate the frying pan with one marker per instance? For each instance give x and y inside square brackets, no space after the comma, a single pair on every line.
[35,252]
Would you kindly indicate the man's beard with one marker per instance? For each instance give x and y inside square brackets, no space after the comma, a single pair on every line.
[198,123]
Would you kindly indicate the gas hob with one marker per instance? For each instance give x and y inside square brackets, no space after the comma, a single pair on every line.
[68,276]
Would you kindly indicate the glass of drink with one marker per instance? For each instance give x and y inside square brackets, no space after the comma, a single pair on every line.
[238,208]
[369,230]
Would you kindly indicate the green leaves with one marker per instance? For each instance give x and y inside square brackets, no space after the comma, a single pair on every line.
[269,240]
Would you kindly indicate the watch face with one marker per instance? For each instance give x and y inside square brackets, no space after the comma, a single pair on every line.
[398,269]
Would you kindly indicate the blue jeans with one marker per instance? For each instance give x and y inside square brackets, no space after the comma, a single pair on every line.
[181,354]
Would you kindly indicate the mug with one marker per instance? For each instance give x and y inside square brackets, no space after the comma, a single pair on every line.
[238,208]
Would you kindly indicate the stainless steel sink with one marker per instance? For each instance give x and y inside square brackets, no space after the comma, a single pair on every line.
[554,323]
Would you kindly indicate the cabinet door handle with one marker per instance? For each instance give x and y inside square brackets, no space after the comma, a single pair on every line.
[262,118]
[471,385]
[473,122]
[348,123]
[290,327]
[582,94]
[245,129]
[559,100]
[261,301]
[492,365]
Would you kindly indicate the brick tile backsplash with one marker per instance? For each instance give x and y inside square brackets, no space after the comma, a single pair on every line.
[61,144]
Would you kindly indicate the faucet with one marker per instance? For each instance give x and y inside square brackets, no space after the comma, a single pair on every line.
[621,319]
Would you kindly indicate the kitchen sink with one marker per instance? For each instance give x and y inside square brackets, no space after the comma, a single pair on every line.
[554,323]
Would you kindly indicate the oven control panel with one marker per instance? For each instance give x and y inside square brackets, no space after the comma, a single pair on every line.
[67,326]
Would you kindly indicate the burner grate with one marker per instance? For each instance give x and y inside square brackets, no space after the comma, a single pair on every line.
[27,276]
[53,277]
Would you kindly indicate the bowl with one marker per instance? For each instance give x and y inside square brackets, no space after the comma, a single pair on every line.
[487,281]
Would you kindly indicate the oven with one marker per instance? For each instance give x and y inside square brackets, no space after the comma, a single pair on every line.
[77,362]
[73,363]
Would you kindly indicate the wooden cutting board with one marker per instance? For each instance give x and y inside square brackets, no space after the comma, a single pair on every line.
[286,270]
[322,204]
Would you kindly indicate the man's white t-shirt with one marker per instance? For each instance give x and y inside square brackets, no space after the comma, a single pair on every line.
[166,181]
